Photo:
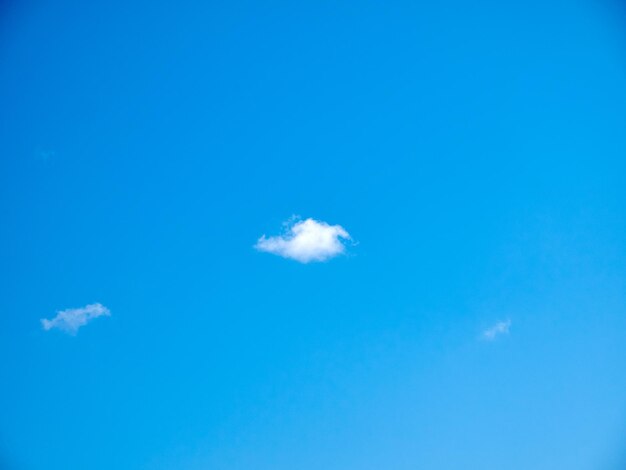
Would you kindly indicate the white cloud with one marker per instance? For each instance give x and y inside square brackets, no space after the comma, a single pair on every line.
[500,328]
[72,319]
[305,241]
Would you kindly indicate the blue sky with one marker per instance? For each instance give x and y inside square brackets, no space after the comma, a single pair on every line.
[313,235]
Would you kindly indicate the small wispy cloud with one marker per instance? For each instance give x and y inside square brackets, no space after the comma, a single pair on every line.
[305,241]
[72,319]
[44,155]
[500,328]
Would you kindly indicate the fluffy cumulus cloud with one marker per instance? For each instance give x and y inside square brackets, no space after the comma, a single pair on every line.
[306,240]
[72,319]
[500,328]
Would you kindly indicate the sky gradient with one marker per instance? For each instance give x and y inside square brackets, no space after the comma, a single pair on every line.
[456,295]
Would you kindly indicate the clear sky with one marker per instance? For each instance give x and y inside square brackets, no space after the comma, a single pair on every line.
[312,235]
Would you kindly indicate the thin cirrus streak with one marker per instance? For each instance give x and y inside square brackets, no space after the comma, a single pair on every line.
[500,328]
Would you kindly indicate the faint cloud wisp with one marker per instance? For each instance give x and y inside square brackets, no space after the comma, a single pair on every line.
[72,319]
[46,155]
[306,241]
[500,328]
